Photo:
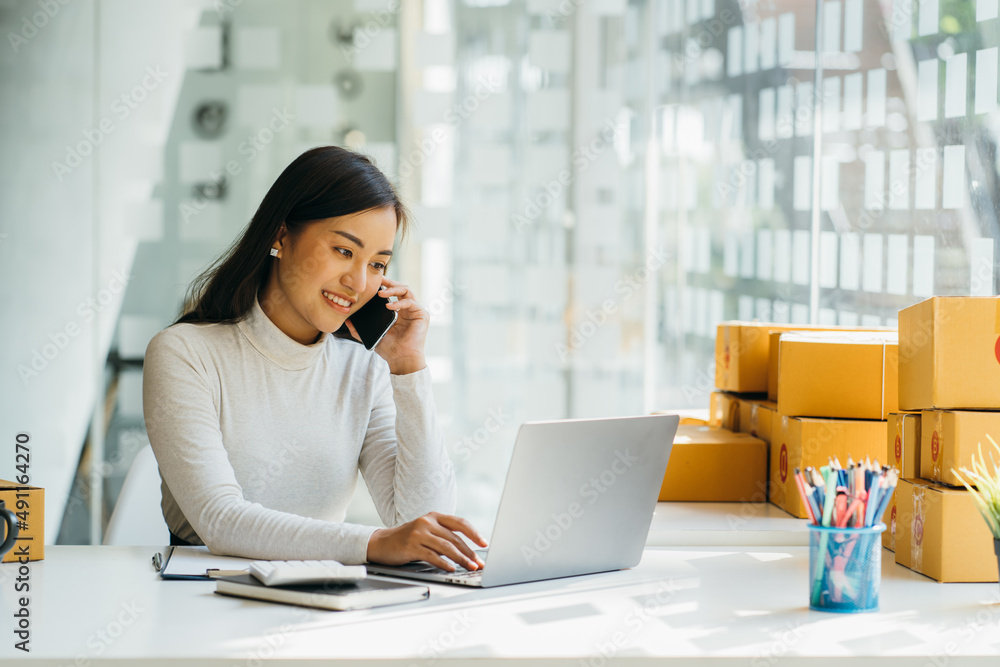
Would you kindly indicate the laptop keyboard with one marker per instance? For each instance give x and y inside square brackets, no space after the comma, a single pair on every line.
[460,571]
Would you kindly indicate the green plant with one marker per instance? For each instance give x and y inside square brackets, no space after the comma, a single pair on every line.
[987,486]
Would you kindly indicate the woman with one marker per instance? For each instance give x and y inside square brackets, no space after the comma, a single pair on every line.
[260,416]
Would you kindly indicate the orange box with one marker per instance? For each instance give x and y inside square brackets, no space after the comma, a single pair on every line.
[741,355]
[28,503]
[843,374]
[755,418]
[774,337]
[949,354]
[715,464]
[950,438]
[800,442]
[940,533]
[724,410]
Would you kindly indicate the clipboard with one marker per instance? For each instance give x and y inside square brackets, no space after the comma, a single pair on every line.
[198,563]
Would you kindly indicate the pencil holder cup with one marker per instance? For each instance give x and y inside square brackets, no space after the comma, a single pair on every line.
[845,568]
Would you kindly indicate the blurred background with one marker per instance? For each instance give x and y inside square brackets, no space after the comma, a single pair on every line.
[596,184]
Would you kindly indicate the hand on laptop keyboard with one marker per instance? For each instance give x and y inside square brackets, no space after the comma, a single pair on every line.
[432,537]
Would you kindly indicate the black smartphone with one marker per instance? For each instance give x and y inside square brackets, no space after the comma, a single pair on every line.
[372,320]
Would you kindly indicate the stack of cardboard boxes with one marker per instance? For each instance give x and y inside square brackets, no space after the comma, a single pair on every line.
[949,388]
[815,418]
[921,401]
[835,391]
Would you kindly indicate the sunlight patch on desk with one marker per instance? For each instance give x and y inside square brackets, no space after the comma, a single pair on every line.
[559,613]
[878,644]
[674,609]
[745,613]
[702,555]
[767,557]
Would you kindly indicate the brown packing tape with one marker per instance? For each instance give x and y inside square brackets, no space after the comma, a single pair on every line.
[883,381]
[734,416]
[754,420]
[897,455]
[892,528]
[937,443]
[725,356]
[917,530]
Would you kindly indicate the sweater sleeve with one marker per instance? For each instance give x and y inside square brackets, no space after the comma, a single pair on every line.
[403,459]
[182,422]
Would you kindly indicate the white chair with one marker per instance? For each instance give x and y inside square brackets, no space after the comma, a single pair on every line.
[137,519]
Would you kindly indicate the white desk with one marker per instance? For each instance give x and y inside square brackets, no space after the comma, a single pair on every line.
[725,524]
[715,605]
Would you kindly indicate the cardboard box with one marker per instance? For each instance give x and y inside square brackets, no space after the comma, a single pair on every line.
[950,438]
[772,358]
[843,374]
[724,411]
[715,464]
[799,442]
[755,418]
[28,503]
[902,453]
[949,354]
[940,533]
[741,355]
[696,417]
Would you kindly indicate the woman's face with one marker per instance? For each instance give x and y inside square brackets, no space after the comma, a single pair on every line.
[327,271]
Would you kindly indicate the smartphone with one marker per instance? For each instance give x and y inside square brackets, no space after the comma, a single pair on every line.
[373,320]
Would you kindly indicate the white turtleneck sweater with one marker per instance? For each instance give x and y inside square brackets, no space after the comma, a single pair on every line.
[259,440]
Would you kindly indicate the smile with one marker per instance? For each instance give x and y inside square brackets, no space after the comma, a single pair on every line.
[340,303]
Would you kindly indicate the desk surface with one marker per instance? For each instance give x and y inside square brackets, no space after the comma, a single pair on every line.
[94,604]
[725,524]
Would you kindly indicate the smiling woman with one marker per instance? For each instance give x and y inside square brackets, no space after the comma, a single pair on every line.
[263,365]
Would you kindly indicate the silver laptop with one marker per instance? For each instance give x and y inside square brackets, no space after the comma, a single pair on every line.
[578,499]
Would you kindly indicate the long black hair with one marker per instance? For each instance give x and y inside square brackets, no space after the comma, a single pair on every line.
[323,182]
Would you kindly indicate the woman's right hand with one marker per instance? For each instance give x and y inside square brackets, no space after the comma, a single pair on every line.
[426,538]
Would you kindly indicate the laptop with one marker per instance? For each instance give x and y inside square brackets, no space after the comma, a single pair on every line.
[578,499]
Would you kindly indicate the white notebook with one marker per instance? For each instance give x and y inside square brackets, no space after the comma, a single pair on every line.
[337,596]
[194,562]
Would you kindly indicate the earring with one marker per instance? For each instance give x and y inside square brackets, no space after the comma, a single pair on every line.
[274,252]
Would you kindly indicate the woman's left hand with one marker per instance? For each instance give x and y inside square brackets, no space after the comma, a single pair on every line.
[403,345]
